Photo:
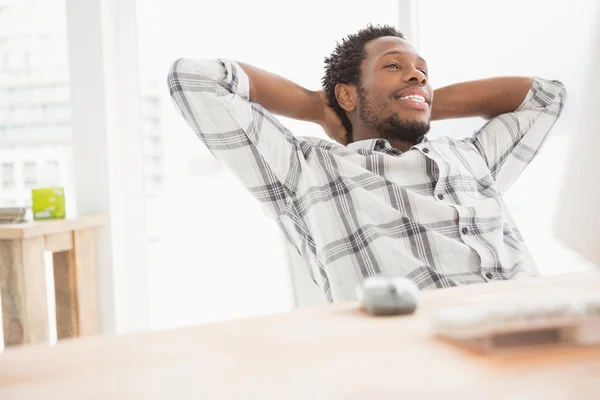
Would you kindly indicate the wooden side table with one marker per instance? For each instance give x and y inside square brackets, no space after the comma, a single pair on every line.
[23,279]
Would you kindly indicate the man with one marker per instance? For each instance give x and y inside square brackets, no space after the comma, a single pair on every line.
[390,201]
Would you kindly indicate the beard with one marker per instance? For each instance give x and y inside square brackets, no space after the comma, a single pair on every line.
[392,126]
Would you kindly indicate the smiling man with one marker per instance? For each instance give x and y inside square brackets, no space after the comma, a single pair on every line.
[384,199]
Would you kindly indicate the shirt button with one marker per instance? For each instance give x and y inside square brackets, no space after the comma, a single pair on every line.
[441,196]
[489,275]
[465,230]
[425,150]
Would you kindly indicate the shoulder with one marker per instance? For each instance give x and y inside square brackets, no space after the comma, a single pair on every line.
[462,144]
[314,143]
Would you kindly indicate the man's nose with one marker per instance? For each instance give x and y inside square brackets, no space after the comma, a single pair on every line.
[415,76]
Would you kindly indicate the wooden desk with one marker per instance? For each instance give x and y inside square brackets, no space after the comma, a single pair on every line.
[23,279]
[333,352]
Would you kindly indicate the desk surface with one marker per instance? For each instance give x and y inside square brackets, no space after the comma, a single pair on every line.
[332,352]
[51,226]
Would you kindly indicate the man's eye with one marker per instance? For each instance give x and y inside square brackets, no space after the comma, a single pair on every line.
[394,65]
[424,71]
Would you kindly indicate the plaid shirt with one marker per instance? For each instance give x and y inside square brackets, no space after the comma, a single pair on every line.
[434,214]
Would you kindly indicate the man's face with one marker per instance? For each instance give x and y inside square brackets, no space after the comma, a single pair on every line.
[394,96]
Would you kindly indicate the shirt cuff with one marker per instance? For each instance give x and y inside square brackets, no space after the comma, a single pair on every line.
[236,80]
[543,92]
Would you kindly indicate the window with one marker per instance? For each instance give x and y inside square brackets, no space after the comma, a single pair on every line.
[34,96]
[8,176]
[30,174]
[50,174]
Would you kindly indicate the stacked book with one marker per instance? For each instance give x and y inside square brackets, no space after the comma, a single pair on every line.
[12,215]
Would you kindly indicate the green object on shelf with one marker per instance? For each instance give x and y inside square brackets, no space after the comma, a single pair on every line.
[48,203]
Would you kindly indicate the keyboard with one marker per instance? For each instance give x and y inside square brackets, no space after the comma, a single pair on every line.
[522,325]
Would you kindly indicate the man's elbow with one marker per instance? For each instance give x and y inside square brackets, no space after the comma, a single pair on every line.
[552,95]
[173,77]
[188,71]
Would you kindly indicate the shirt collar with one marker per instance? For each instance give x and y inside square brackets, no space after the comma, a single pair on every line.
[367,144]
[376,144]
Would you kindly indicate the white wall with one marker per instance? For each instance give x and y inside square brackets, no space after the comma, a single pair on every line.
[107,153]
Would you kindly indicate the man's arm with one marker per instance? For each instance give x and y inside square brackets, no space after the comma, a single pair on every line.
[288,99]
[486,98]
[213,96]
[282,96]
[521,113]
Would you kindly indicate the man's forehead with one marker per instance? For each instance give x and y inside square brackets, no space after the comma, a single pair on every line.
[385,44]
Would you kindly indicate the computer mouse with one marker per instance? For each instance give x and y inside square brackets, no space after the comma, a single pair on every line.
[388,295]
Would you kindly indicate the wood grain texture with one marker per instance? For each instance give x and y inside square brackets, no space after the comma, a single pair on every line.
[65,294]
[85,273]
[75,288]
[58,242]
[24,291]
[331,352]
[41,228]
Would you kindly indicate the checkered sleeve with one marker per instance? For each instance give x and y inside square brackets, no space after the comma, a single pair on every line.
[213,97]
[510,141]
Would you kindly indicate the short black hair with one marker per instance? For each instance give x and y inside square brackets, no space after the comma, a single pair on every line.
[343,65]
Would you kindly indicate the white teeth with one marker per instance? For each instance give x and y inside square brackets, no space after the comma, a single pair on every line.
[414,97]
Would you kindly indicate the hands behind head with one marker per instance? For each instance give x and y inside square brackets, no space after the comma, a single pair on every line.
[331,122]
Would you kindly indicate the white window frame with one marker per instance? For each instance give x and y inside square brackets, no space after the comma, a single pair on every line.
[107,153]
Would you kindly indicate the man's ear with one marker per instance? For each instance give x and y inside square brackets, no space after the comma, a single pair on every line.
[346,96]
